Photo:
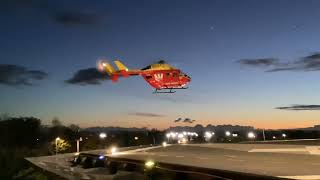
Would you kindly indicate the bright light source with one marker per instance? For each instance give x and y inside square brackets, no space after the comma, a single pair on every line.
[149,164]
[273,137]
[184,140]
[58,138]
[184,133]
[136,138]
[212,133]
[168,135]
[76,154]
[180,135]
[173,134]
[101,157]
[228,133]
[207,134]
[234,135]
[284,135]
[251,135]
[113,150]
[102,135]
[164,144]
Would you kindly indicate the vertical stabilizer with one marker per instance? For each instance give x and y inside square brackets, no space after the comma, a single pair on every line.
[120,66]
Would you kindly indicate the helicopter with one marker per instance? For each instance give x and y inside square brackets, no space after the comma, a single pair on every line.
[163,77]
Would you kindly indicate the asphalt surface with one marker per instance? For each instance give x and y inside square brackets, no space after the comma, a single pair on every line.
[288,161]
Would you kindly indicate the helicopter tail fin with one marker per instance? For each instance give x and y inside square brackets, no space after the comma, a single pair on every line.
[120,66]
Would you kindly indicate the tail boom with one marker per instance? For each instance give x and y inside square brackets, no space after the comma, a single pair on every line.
[122,70]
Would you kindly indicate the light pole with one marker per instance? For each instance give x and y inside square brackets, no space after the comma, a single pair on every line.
[207,136]
[264,136]
[57,139]
[102,136]
[78,144]
[168,137]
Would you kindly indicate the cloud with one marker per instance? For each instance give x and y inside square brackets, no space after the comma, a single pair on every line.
[185,120]
[89,76]
[178,120]
[306,63]
[75,18]
[188,120]
[14,75]
[262,62]
[300,107]
[147,114]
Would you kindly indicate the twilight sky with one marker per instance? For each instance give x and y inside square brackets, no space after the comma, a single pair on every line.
[251,62]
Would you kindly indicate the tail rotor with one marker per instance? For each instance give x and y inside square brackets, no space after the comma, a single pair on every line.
[105,67]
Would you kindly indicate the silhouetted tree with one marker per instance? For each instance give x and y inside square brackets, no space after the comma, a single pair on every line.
[75,128]
[56,122]
[4,116]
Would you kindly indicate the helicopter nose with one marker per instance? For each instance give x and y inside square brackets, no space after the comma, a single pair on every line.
[188,78]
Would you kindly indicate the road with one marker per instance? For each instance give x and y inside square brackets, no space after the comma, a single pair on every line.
[288,161]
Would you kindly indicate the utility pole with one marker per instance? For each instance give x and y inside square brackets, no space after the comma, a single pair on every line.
[264,137]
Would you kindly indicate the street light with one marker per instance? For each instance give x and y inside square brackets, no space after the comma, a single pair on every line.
[173,135]
[168,136]
[208,134]
[57,139]
[284,135]
[228,133]
[180,136]
[102,135]
[251,135]
[136,138]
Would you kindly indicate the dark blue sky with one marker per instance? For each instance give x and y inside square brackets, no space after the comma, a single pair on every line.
[206,39]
